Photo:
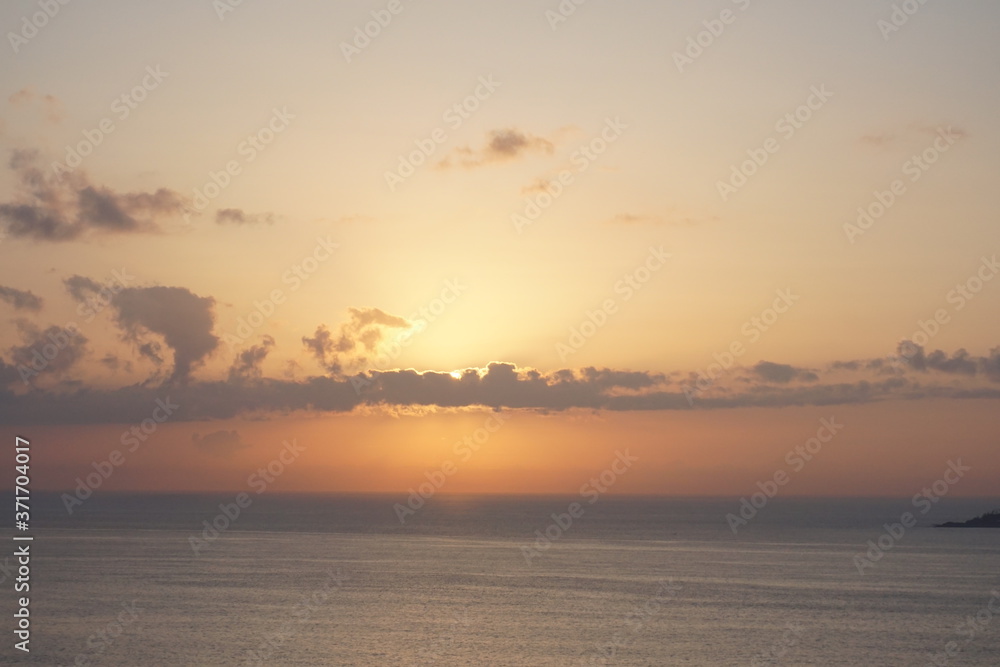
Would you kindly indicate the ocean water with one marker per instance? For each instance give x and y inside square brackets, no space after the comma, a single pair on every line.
[316,580]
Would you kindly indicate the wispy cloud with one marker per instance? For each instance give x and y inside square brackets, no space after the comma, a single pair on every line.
[501,146]
[355,343]
[222,444]
[20,299]
[68,208]
[236,216]
[52,108]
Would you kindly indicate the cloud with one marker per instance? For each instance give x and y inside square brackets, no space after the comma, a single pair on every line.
[20,299]
[22,97]
[672,220]
[605,379]
[632,219]
[183,319]
[880,140]
[356,342]
[911,133]
[537,186]
[236,216]
[502,146]
[498,386]
[152,351]
[219,443]
[79,287]
[960,363]
[782,373]
[51,106]
[54,351]
[991,365]
[113,362]
[246,366]
[67,208]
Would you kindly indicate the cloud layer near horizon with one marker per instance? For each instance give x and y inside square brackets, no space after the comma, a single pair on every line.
[499,385]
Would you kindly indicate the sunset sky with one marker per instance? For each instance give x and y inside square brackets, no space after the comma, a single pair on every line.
[214,205]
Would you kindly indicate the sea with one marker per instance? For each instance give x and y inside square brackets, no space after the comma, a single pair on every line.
[158,580]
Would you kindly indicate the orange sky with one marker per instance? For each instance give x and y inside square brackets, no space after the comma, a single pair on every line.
[483,209]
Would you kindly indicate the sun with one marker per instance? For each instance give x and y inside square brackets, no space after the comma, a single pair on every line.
[456,374]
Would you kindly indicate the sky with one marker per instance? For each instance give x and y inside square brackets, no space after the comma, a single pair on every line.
[701,232]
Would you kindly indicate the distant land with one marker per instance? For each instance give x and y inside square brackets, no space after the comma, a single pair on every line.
[988,520]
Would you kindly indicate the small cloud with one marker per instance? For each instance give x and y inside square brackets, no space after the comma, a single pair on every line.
[668,220]
[51,106]
[20,299]
[219,443]
[356,342]
[959,363]
[632,219]
[113,363]
[878,140]
[537,186]
[887,139]
[934,130]
[782,373]
[54,111]
[22,97]
[502,146]
[31,356]
[236,216]
[246,366]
